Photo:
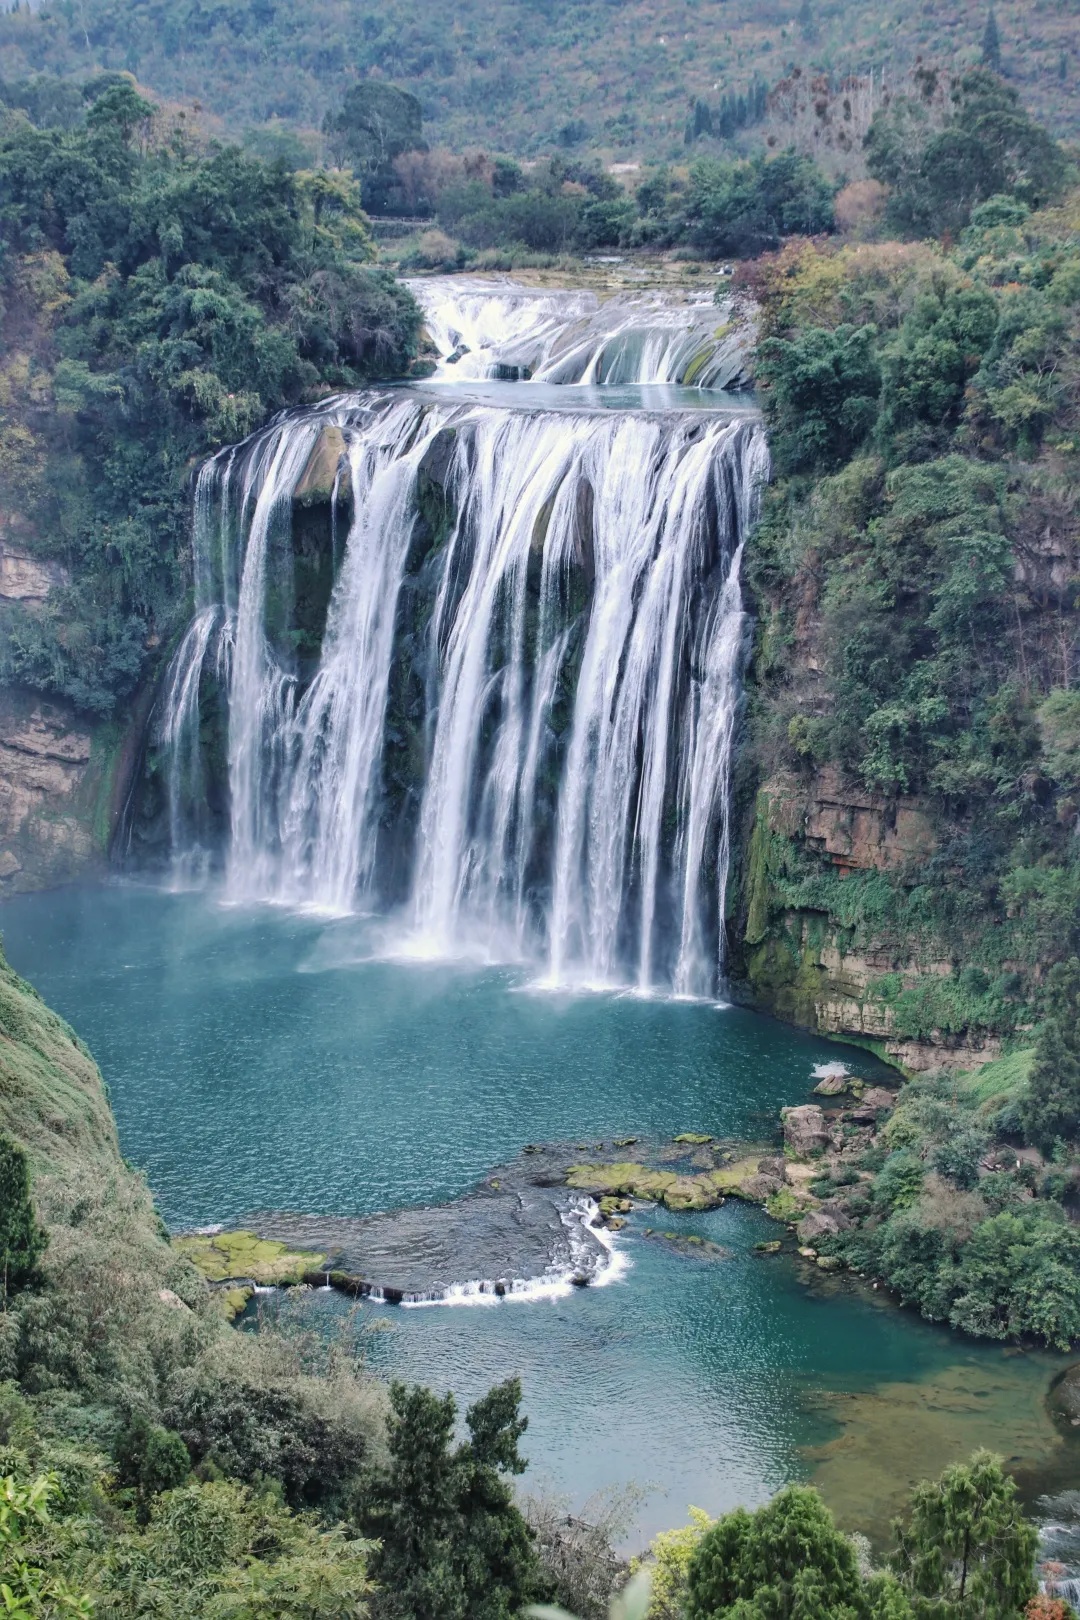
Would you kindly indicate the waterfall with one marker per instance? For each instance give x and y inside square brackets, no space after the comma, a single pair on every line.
[501,329]
[508,723]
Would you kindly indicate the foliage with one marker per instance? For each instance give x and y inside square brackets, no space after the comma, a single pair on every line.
[190,294]
[823,394]
[950,1223]
[522,77]
[668,1562]
[452,1540]
[25,1588]
[22,1241]
[988,146]
[741,209]
[966,1550]
[149,1459]
[375,124]
[914,638]
[786,1559]
[1051,1107]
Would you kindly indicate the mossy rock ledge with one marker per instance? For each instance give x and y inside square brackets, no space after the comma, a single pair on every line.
[236,1263]
[674,1190]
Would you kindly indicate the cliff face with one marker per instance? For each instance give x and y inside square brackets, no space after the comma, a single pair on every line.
[814,966]
[56,769]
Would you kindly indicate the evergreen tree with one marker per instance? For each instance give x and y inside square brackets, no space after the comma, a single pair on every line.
[967,1552]
[991,43]
[1051,1107]
[22,1241]
[454,1545]
[786,1560]
[497,1557]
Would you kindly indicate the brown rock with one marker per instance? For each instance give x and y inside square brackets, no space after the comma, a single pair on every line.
[317,480]
[805,1130]
[816,1225]
[25,578]
[761,1187]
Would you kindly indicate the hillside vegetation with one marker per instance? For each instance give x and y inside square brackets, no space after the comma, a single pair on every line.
[522,77]
[157,301]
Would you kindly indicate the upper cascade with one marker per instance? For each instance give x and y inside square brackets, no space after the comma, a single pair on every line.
[498,328]
[476,666]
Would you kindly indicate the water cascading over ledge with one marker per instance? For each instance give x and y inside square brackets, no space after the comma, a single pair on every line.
[497,694]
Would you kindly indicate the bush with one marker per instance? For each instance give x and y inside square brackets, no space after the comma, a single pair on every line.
[149,1459]
[821,395]
[22,1241]
[1051,1106]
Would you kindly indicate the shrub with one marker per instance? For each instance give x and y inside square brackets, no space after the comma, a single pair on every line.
[1051,1107]
[22,1241]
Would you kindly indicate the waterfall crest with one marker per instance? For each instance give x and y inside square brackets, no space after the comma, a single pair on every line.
[508,720]
[502,329]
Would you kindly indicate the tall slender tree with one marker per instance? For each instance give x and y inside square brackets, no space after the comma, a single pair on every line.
[991,43]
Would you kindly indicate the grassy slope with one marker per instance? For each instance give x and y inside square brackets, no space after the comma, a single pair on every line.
[510,73]
[109,1255]
[52,1097]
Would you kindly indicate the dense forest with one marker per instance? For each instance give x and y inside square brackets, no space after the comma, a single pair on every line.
[158,300]
[524,78]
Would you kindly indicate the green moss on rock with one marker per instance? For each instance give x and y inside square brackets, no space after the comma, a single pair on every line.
[222,1256]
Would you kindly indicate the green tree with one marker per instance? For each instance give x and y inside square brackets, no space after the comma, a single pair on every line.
[988,147]
[1051,1107]
[149,1459]
[453,1542]
[22,1241]
[26,1589]
[991,43]
[375,124]
[786,1560]
[966,1551]
[821,395]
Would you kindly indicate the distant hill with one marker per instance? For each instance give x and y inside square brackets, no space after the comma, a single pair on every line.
[526,76]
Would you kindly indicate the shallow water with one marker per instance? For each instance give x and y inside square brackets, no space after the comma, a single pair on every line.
[261,1058]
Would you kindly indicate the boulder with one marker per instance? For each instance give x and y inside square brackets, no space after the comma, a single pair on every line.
[877,1098]
[316,484]
[818,1224]
[838,1212]
[829,1262]
[805,1130]
[760,1187]
[831,1086]
[771,1167]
